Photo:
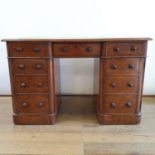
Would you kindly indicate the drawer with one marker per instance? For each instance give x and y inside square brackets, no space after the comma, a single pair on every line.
[31,104]
[120,84]
[29,66]
[30,84]
[76,49]
[119,104]
[25,49]
[121,66]
[124,49]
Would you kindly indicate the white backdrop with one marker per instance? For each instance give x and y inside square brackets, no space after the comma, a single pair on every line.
[77,19]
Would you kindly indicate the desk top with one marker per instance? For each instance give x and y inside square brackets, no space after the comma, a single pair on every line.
[78,40]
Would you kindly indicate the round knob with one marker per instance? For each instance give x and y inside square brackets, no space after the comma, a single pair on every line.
[39,66]
[23,85]
[130,84]
[19,49]
[116,49]
[24,104]
[88,49]
[113,104]
[131,66]
[36,49]
[134,48]
[64,49]
[40,104]
[21,66]
[113,84]
[114,66]
[40,84]
[128,104]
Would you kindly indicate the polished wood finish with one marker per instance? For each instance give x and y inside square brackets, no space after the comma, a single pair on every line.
[35,77]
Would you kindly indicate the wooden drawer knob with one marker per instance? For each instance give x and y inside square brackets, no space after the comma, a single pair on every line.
[19,49]
[23,85]
[40,104]
[131,66]
[128,104]
[24,104]
[64,49]
[39,66]
[113,84]
[134,48]
[114,66]
[116,49]
[40,84]
[36,49]
[88,49]
[113,104]
[130,84]
[21,66]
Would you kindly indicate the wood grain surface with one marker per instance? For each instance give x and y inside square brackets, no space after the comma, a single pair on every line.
[77,132]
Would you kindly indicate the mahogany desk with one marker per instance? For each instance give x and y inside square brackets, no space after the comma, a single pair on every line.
[119,74]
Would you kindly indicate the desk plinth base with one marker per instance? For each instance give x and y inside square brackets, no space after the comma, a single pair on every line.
[118,119]
[34,119]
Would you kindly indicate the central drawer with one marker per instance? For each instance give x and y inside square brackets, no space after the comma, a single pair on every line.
[76,49]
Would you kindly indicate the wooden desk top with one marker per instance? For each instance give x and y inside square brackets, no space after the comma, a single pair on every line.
[78,40]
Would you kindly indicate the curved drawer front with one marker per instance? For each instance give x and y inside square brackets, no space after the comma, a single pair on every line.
[121,84]
[29,66]
[31,104]
[119,104]
[31,84]
[19,49]
[76,49]
[121,66]
[125,49]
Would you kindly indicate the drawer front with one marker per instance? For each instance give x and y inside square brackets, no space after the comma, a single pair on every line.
[121,66]
[27,49]
[119,104]
[125,49]
[121,84]
[31,84]
[31,104]
[76,49]
[29,66]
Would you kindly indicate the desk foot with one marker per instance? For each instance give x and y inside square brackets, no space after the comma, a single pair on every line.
[118,119]
[34,119]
